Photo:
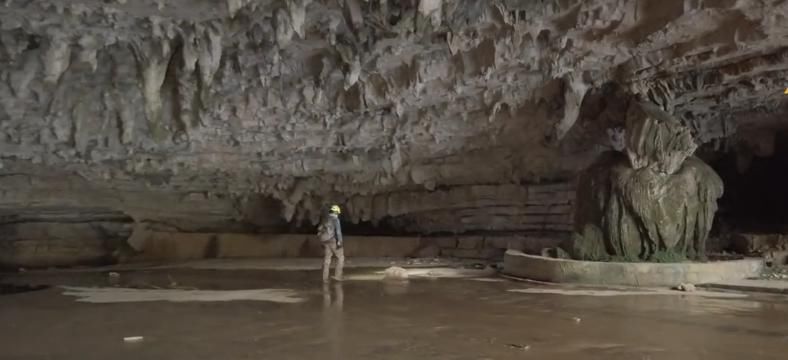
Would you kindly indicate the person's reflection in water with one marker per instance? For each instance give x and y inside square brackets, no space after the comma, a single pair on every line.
[333,317]
[338,297]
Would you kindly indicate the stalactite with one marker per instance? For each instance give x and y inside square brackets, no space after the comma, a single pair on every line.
[153,58]
[57,59]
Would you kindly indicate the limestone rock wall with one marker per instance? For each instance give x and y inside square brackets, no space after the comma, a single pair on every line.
[248,114]
[170,246]
[48,244]
[42,194]
[503,208]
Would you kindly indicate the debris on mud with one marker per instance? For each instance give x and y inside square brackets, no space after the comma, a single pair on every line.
[685,287]
[775,273]
[133,339]
[519,347]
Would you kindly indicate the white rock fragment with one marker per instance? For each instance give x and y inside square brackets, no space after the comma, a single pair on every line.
[395,273]
[686,287]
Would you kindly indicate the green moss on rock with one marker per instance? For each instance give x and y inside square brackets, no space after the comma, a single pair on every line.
[654,203]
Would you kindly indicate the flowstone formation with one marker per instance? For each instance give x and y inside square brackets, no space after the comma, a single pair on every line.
[652,201]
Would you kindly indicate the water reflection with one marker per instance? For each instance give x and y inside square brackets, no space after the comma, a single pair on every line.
[420,319]
[337,300]
[395,287]
[333,317]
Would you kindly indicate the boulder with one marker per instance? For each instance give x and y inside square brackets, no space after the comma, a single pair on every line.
[395,273]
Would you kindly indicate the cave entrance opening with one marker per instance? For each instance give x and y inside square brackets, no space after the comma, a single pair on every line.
[756,187]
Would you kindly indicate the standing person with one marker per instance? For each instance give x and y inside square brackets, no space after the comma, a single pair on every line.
[330,234]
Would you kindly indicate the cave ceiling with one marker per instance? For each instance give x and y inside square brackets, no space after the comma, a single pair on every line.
[191,108]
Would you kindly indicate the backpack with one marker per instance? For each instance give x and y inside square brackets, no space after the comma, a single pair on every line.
[325,232]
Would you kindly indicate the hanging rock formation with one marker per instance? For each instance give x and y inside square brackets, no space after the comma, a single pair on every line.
[654,201]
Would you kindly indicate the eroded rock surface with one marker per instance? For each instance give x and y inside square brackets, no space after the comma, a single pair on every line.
[252,114]
[655,201]
[39,244]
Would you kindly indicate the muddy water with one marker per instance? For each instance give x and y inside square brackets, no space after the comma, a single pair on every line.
[424,319]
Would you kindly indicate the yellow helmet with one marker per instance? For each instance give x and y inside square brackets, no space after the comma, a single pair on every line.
[335,209]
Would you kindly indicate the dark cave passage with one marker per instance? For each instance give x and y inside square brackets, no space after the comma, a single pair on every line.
[756,195]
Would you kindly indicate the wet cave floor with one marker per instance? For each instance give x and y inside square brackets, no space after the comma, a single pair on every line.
[253,314]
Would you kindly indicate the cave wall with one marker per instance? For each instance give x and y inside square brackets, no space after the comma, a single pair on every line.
[157,246]
[58,218]
[252,115]
[515,208]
